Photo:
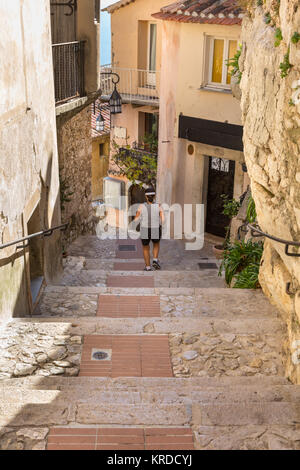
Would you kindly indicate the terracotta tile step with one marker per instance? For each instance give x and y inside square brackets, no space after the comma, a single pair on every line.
[120,439]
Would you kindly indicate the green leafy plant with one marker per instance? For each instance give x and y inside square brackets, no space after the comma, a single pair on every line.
[295,38]
[234,66]
[150,143]
[230,209]
[268,18]
[251,211]
[278,37]
[248,278]
[139,165]
[241,262]
[285,66]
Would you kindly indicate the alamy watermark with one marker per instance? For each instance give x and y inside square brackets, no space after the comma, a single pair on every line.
[181,222]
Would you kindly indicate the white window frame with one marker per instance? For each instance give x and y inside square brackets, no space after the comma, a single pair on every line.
[210,44]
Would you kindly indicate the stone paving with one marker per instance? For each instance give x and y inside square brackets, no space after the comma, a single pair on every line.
[107,362]
[38,349]
[215,355]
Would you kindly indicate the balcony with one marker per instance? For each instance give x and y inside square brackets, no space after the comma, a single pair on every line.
[136,86]
[68,65]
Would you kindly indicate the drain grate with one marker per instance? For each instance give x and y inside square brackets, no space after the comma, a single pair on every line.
[101,355]
[207,266]
[127,248]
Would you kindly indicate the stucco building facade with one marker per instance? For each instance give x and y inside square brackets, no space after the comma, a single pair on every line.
[49,76]
[200,134]
[29,183]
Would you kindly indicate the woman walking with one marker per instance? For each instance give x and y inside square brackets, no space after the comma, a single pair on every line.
[151,217]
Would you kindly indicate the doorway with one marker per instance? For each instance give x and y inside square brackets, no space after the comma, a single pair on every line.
[36,268]
[220,181]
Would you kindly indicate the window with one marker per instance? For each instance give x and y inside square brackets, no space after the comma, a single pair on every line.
[151,124]
[219,164]
[101,150]
[152,47]
[219,50]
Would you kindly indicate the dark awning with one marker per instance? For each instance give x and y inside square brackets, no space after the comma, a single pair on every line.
[218,134]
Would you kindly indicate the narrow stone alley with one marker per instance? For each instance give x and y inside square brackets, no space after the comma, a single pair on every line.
[116,358]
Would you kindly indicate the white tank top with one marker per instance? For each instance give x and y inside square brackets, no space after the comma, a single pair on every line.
[150,217]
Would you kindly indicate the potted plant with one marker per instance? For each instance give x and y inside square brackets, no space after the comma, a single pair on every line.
[230,209]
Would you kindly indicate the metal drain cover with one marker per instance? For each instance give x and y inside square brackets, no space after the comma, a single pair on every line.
[127,248]
[101,354]
[207,266]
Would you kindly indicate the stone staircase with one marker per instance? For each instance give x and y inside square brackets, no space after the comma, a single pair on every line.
[189,363]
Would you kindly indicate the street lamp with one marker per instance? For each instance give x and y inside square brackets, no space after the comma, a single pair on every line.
[115,101]
[100,123]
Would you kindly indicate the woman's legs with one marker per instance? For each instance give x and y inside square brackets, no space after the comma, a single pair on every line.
[146,253]
[156,247]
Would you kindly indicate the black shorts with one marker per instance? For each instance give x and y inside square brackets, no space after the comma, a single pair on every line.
[150,235]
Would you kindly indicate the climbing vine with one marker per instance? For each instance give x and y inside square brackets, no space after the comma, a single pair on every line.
[285,66]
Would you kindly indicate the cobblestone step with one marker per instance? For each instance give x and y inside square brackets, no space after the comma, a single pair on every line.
[208,303]
[233,393]
[157,325]
[184,385]
[207,408]
[223,347]
[103,278]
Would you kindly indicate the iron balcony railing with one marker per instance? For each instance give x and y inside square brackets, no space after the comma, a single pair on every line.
[44,233]
[68,66]
[135,86]
[137,153]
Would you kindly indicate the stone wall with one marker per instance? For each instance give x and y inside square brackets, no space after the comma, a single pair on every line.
[75,163]
[271,119]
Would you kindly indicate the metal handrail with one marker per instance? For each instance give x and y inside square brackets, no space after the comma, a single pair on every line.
[276,239]
[44,233]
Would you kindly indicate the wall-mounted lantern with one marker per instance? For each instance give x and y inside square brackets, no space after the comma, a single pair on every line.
[100,122]
[115,101]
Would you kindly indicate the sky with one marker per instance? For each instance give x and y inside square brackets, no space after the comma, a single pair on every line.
[105,33]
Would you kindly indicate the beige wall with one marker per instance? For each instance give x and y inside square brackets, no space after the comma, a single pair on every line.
[126,22]
[89,30]
[182,177]
[130,50]
[28,148]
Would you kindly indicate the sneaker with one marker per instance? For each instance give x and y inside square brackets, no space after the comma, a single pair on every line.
[156,265]
[148,270]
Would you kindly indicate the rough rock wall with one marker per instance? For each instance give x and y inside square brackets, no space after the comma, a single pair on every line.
[271,118]
[75,163]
